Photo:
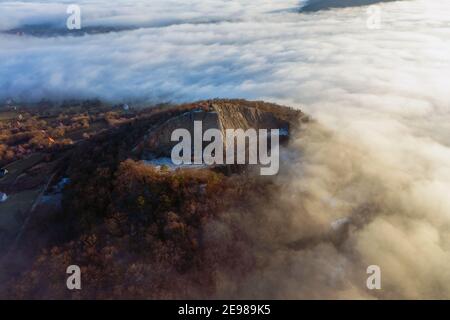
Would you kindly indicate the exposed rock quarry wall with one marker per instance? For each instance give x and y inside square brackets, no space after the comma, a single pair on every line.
[235,116]
[222,115]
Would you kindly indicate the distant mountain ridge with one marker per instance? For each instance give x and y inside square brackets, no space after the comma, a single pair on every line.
[318,5]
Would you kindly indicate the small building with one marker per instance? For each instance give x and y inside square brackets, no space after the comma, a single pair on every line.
[3,197]
[3,172]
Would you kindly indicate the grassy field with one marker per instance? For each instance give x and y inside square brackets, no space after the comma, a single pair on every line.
[16,208]
[18,202]
[13,213]
[8,115]
[17,167]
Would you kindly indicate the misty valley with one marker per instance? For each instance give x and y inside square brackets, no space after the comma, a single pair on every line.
[224,150]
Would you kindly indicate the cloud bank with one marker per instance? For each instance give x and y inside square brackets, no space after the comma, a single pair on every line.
[379,157]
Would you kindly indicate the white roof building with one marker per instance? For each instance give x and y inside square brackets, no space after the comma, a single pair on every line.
[3,197]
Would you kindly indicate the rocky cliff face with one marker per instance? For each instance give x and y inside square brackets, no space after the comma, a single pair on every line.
[222,115]
[240,116]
